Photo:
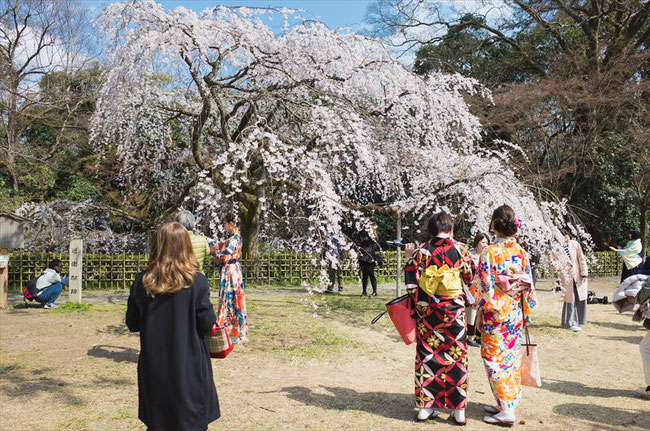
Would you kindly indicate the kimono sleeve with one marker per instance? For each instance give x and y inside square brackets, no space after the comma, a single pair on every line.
[529,295]
[231,245]
[412,271]
[486,276]
[468,268]
[205,317]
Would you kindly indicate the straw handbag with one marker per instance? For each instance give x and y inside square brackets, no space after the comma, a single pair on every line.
[219,344]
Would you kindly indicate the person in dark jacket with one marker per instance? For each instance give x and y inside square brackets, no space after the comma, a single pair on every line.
[369,257]
[170,306]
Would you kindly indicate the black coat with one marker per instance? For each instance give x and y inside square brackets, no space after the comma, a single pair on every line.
[176,390]
[369,253]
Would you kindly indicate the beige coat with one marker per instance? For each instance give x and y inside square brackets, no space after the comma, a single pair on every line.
[576,271]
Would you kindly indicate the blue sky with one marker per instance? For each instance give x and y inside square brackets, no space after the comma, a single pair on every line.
[334,13]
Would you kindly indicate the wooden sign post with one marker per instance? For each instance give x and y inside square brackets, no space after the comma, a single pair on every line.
[4,277]
[76,265]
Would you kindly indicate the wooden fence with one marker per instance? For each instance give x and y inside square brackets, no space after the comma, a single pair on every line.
[117,271]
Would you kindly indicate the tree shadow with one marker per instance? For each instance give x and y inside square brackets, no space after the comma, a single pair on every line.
[579,389]
[630,339]
[115,353]
[120,298]
[108,382]
[17,383]
[392,406]
[116,330]
[619,326]
[602,415]
[389,405]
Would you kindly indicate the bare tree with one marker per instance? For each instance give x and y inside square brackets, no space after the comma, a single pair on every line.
[37,37]
[577,79]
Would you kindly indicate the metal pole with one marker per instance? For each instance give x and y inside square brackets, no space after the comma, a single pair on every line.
[399,255]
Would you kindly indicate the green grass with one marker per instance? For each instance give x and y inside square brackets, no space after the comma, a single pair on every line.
[285,326]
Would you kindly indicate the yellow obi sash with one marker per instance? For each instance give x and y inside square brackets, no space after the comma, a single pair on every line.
[443,281]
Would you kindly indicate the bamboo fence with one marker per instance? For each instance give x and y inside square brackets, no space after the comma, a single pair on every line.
[117,271]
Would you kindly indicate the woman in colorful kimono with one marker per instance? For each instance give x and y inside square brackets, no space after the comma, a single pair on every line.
[435,277]
[232,301]
[504,312]
[632,255]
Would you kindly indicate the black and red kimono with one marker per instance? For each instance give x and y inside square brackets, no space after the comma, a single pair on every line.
[441,353]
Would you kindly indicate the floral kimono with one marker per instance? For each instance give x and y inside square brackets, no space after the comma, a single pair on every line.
[232,301]
[503,316]
[435,279]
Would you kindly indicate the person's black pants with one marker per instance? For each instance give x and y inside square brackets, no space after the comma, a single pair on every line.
[335,275]
[368,272]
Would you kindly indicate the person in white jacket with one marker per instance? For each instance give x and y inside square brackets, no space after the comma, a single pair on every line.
[50,284]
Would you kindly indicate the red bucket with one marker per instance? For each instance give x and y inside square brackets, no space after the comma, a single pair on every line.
[401,311]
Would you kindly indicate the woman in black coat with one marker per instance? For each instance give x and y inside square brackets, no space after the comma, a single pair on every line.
[369,257]
[170,306]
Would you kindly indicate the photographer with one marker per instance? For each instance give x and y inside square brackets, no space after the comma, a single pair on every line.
[369,257]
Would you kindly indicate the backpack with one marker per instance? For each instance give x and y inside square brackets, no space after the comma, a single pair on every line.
[30,291]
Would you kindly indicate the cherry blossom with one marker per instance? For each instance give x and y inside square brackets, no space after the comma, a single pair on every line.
[304,123]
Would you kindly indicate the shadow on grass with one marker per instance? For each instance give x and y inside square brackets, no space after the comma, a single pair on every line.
[618,326]
[579,389]
[393,406]
[604,416]
[17,382]
[630,339]
[115,353]
[116,330]
[389,405]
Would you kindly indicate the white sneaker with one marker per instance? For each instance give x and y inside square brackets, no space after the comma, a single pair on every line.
[50,305]
[576,328]
[426,414]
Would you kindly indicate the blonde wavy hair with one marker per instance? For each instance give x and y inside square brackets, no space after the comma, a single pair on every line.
[172,264]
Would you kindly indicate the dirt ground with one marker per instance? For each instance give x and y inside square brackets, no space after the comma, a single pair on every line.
[74,368]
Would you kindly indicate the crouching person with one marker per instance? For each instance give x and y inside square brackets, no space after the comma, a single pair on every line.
[50,284]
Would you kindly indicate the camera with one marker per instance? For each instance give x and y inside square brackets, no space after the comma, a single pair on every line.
[397,242]
[558,287]
[593,299]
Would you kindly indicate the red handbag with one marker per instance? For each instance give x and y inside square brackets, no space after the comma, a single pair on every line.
[400,311]
[219,344]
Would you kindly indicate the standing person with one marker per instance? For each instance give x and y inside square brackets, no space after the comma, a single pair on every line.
[573,279]
[200,246]
[504,313]
[169,305]
[49,285]
[631,254]
[232,300]
[368,258]
[334,267]
[481,241]
[434,276]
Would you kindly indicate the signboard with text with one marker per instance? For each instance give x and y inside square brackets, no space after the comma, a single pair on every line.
[76,265]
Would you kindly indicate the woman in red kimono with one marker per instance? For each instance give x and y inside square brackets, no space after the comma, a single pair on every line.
[436,275]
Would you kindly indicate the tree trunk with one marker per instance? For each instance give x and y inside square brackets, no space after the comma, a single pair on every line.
[644,227]
[250,224]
